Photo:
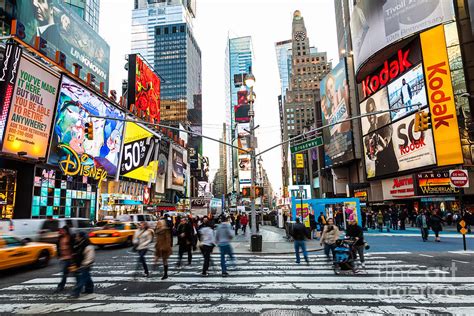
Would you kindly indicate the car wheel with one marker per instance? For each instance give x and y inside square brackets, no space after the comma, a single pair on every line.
[101,247]
[43,259]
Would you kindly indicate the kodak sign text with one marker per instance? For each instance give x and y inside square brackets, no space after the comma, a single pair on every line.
[441,98]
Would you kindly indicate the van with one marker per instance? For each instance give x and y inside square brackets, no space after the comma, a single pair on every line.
[138,218]
[45,230]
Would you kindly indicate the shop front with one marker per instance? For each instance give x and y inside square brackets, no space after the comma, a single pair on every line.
[121,197]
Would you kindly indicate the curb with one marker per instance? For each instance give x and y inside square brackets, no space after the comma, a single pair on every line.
[274,253]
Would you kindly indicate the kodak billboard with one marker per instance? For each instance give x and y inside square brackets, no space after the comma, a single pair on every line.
[440,97]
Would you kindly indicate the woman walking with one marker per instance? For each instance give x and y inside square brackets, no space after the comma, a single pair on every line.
[208,242]
[163,245]
[142,238]
[65,255]
[328,238]
[436,225]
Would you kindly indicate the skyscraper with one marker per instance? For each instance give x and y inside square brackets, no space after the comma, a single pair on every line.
[87,9]
[238,63]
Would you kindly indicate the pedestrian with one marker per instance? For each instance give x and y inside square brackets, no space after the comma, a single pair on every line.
[422,222]
[321,221]
[163,248]
[299,234]
[356,232]
[328,238]
[370,219]
[394,219]
[380,220]
[223,238]
[185,240]
[403,218]
[84,256]
[387,219]
[237,224]
[339,219]
[436,225]
[208,242]
[141,239]
[244,220]
[313,225]
[65,253]
[364,219]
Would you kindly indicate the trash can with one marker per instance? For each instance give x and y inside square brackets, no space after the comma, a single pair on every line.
[256,243]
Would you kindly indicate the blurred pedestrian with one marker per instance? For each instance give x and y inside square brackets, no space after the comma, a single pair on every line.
[141,239]
[237,224]
[387,219]
[223,238]
[300,233]
[422,221]
[328,238]
[208,242]
[84,256]
[185,240]
[244,220]
[163,248]
[65,253]
[436,225]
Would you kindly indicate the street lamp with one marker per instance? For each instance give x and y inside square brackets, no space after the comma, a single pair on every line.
[255,240]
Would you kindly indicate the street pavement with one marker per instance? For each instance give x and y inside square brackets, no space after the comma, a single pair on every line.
[394,282]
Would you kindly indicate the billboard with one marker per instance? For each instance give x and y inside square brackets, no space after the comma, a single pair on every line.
[75,106]
[376,24]
[335,108]
[64,31]
[444,120]
[435,183]
[397,147]
[162,166]
[243,138]
[31,111]
[139,154]
[375,103]
[398,188]
[245,175]
[176,169]
[143,89]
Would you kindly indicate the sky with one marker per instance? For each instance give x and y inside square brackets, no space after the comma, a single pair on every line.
[267,22]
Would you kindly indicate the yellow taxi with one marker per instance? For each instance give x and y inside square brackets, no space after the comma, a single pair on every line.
[15,253]
[113,234]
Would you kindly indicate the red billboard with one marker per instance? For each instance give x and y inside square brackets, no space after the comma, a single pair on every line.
[143,89]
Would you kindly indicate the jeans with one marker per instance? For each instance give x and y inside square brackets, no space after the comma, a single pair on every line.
[182,249]
[142,260]
[206,251]
[329,247]
[84,279]
[244,228]
[424,233]
[226,250]
[65,264]
[387,223]
[300,244]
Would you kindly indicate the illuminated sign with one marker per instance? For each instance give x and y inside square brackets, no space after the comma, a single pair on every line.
[435,183]
[398,188]
[80,165]
[441,99]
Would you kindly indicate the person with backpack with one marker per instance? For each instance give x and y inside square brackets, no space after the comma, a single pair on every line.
[141,239]
[84,256]
[223,238]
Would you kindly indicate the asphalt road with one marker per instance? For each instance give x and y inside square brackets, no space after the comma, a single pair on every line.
[392,283]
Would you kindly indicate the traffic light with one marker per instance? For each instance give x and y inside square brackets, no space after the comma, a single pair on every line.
[258,191]
[246,192]
[89,131]
[422,121]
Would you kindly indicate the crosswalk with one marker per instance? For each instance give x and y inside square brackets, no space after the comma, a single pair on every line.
[258,285]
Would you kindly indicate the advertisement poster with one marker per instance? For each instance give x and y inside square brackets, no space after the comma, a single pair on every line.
[175,169]
[162,166]
[407,93]
[398,188]
[376,24]
[31,111]
[435,183]
[144,89]
[65,31]
[334,106]
[244,169]
[140,154]
[398,147]
[75,106]
[377,102]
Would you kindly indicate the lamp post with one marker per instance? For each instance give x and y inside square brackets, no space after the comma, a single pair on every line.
[255,240]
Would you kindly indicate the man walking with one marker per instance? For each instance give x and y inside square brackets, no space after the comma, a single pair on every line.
[223,238]
[65,253]
[300,233]
[355,231]
[84,255]
[422,222]
[185,240]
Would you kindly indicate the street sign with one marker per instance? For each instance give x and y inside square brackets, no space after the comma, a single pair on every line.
[463,231]
[459,178]
[318,141]
[299,161]
[462,223]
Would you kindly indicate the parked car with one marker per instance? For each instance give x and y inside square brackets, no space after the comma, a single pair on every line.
[113,234]
[15,252]
[138,218]
[45,230]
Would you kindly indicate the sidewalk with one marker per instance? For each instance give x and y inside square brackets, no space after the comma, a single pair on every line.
[448,232]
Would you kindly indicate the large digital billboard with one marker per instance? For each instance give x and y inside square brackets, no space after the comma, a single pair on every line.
[139,154]
[176,169]
[245,177]
[143,89]
[375,103]
[376,24]
[64,31]
[75,108]
[162,166]
[335,108]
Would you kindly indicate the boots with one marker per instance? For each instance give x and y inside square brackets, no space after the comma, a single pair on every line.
[165,275]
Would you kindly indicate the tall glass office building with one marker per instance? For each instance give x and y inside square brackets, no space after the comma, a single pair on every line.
[238,63]
[87,9]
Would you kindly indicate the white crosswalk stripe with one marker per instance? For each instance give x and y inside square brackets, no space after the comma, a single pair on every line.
[257,284]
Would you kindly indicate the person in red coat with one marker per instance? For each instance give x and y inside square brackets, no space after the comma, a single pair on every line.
[244,220]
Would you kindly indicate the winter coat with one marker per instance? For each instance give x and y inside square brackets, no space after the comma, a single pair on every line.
[142,238]
[380,218]
[185,234]
[299,232]
[435,223]
[330,234]
[163,243]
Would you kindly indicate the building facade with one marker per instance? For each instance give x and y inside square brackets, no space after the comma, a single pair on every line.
[89,10]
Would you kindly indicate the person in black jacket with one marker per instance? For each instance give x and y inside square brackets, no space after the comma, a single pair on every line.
[185,240]
[436,224]
[355,231]
[300,233]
